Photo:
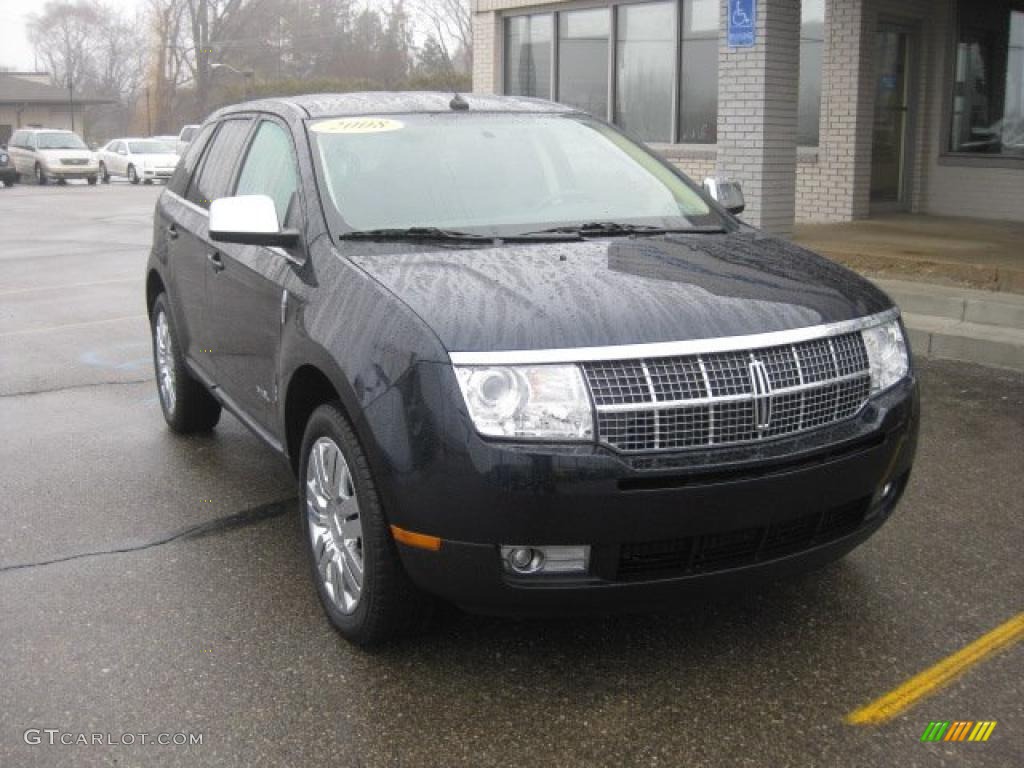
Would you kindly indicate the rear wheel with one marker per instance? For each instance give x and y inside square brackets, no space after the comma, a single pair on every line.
[359,578]
[186,404]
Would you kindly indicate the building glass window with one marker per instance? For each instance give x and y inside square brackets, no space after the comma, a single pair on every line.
[988,85]
[583,60]
[645,49]
[528,55]
[812,45]
[698,97]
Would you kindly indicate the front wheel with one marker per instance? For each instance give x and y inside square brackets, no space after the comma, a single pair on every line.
[40,176]
[133,177]
[92,181]
[104,176]
[359,578]
[186,404]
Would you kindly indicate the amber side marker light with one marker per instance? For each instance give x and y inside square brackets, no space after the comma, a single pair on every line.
[418,540]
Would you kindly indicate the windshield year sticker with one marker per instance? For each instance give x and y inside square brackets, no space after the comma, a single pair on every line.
[358,125]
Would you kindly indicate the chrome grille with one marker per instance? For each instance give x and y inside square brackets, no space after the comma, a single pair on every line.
[74,161]
[725,398]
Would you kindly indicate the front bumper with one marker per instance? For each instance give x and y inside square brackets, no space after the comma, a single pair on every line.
[661,528]
[72,171]
[157,173]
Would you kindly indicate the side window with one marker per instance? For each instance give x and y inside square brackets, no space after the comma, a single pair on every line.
[219,161]
[270,169]
[187,166]
[118,146]
[16,139]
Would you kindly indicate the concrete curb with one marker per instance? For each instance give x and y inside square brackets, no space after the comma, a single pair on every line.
[961,324]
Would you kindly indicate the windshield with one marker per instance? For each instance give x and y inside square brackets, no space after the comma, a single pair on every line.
[59,141]
[149,148]
[496,174]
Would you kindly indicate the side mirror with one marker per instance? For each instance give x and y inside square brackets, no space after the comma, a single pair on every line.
[249,220]
[728,194]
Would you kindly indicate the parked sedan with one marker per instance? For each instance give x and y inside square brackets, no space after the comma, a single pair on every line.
[8,176]
[137,160]
[517,361]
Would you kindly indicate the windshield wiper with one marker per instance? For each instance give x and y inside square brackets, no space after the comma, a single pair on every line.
[413,233]
[613,228]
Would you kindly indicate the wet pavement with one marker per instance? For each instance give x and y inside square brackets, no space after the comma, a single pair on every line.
[155,584]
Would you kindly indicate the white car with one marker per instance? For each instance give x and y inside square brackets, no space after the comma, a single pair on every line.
[185,137]
[137,160]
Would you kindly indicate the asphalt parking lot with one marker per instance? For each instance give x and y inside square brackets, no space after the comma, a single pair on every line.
[111,623]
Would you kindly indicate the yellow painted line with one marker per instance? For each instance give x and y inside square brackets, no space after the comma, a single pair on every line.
[946,671]
[48,328]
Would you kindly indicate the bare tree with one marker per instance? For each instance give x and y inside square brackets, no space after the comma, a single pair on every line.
[90,47]
[63,36]
[451,22]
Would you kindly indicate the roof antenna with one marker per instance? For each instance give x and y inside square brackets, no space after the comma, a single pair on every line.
[458,103]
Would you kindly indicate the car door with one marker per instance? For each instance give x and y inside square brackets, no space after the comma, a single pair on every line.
[14,150]
[211,180]
[120,159]
[245,293]
[183,214]
[107,155]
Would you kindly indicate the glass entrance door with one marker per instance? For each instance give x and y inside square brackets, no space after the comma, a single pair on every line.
[892,112]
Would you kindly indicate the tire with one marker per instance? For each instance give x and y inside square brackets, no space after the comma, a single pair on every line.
[388,605]
[187,406]
[104,176]
[92,181]
[133,177]
[40,176]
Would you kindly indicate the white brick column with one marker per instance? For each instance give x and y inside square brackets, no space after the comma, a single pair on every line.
[757,103]
[486,68]
[848,107]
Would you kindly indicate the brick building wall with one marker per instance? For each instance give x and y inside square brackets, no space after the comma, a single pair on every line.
[831,181]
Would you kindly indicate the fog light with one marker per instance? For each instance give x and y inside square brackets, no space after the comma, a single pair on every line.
[523,560]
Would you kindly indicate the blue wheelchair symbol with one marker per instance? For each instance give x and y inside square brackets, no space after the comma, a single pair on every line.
[742,23]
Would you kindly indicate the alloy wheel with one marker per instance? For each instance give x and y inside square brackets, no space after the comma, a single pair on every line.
[335,525]
[165,362]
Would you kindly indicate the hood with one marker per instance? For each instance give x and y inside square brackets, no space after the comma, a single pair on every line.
[617,290]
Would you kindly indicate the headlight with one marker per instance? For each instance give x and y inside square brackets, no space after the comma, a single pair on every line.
[3,159]
[887,354]
[547,402]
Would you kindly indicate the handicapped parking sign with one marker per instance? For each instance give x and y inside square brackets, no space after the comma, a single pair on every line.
[742,23]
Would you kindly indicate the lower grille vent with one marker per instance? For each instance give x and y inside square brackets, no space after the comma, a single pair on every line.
[672,558]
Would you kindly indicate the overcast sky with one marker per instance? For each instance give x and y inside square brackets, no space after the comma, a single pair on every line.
[16,53]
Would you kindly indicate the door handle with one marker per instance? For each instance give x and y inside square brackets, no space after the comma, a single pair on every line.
[215,261]
[172,231]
